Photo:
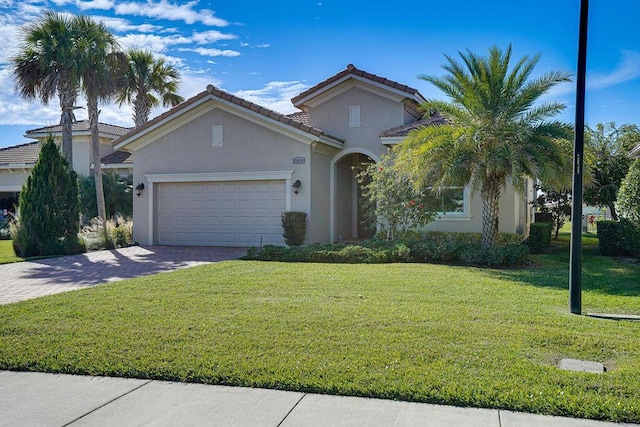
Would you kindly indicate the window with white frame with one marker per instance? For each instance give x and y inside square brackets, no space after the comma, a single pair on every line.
[354,116]
[217,136]
[451,200]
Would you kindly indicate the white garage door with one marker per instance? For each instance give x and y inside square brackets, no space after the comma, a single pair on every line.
[235,213]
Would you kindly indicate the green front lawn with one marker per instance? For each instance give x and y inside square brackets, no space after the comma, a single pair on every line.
[431,333]
[7,254]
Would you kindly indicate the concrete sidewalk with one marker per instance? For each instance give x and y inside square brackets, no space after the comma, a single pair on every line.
[38,399]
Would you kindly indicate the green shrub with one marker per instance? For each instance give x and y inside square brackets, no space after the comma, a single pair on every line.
[295,227]
[628,203]
[497,255]
[618,238]
[121,237]
[432,247]
[49,218]
[608,237]
[630,237]
[539,237]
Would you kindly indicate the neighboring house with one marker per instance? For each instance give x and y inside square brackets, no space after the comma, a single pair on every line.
[635,153]
[16,162]
[220,170]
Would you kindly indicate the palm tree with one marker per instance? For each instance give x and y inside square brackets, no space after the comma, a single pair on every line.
[495,133]
[145,78]
[45,67]
[98,61]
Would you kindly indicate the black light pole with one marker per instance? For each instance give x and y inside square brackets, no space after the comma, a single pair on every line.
[575,263]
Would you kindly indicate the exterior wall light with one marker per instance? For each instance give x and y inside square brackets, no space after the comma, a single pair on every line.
[296,186]
[139,189]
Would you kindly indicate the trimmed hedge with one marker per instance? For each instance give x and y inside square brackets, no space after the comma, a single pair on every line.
[618,238]
[539,237]
[607,232]
[439,247]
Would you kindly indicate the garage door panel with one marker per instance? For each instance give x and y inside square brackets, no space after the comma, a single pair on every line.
[228,204]
[220,214]
[262,221]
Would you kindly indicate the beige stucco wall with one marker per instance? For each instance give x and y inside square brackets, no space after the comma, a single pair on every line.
[319,214]
[247,147]
[81,146]
[377,113]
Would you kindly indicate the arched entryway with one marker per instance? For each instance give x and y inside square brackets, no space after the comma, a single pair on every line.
[348,208]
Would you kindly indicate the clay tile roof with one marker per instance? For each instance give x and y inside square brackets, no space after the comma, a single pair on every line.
[300,116]
[351,69]
[404,130]
[20,154]
[233,99]
[117,158]
[82,125]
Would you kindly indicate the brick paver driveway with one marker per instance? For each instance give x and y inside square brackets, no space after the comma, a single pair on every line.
[32,279]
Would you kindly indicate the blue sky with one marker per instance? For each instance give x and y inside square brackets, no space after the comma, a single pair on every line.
[268,52]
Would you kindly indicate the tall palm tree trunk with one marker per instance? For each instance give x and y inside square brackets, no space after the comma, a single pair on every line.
[92,107]
[67,97]
[490,194]
[141,110]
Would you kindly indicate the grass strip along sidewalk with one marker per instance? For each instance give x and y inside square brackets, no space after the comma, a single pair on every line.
[7,255]
[431,333]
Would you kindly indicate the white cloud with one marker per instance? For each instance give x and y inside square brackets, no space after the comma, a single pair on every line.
[262,45]
[95,4]
[275,95]
[243,44]
[152,42]
[628,69]
[211,51]
[121,25]
[15,110]
[211,36]
[9,47]
[164,9]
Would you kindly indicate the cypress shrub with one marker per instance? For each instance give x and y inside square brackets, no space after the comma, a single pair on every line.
[49,219]
[295,227]
[539,237]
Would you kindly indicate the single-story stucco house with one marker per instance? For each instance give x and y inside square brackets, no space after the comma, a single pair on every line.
[17,161]
[220,170]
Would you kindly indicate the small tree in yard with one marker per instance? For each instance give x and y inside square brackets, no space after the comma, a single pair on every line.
[555,202]
[49,218]
[497,131]
[629,195]
[393,199]
[608,148]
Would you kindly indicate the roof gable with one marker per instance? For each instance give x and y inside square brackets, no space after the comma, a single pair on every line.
[141,136]
[382,84]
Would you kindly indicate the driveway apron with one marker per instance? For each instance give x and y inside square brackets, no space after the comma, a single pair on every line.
[32,279]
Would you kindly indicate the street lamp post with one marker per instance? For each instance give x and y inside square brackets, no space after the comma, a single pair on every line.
[575,263]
